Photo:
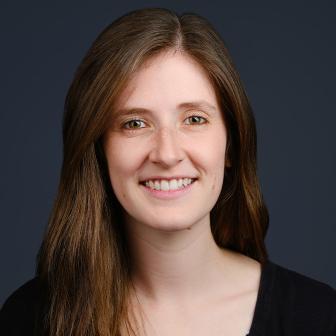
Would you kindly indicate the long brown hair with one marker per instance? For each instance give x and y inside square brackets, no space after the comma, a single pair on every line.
[83,259]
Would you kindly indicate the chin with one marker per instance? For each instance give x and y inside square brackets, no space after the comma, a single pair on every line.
[165,221]
[171,224]
[171,227]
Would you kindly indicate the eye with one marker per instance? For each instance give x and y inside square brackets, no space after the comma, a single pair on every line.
[195,119]
[133,124]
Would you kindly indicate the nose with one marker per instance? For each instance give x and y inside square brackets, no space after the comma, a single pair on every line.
[167,149]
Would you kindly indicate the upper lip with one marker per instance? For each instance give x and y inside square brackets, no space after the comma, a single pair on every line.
[167,178]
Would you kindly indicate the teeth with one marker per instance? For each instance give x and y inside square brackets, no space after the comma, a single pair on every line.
[168,185]
[164,185]
[186,181]
[173,185]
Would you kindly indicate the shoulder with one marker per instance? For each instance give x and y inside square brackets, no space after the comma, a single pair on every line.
[291,285]
[20,313]
[301,302]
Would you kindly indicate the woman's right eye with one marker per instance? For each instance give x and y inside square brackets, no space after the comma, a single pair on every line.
[133,124]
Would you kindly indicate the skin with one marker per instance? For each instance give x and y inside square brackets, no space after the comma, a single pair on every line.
[180,275]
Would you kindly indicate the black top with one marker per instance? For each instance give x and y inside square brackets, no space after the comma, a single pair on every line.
[288,303]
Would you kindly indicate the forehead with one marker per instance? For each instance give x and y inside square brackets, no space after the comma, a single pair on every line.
[167,79]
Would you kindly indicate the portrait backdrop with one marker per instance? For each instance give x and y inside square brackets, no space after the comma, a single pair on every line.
[285,53]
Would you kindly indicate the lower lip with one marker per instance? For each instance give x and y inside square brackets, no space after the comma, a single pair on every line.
[168,194]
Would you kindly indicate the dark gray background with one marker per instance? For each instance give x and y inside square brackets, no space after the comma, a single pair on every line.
[285,53]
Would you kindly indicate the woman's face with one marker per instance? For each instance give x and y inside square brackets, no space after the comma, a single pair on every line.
[166,131]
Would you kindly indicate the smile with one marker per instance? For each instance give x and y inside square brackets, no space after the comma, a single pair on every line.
[168,189]
[168,185]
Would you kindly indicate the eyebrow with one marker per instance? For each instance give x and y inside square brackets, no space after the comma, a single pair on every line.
[201,104]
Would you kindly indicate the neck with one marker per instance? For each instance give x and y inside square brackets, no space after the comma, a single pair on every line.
[176,265]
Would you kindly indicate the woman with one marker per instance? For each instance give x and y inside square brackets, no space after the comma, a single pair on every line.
[158,226]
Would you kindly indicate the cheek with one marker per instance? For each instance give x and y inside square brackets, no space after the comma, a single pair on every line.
[218,178]
[211,157]
[123,161]
[210,151]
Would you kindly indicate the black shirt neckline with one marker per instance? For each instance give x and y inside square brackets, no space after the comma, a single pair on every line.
[263,303]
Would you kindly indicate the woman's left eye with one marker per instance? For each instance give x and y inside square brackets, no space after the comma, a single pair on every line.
[196,120]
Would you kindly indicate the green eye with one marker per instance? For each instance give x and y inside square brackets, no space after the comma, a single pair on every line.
[196,120]
[134,124]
